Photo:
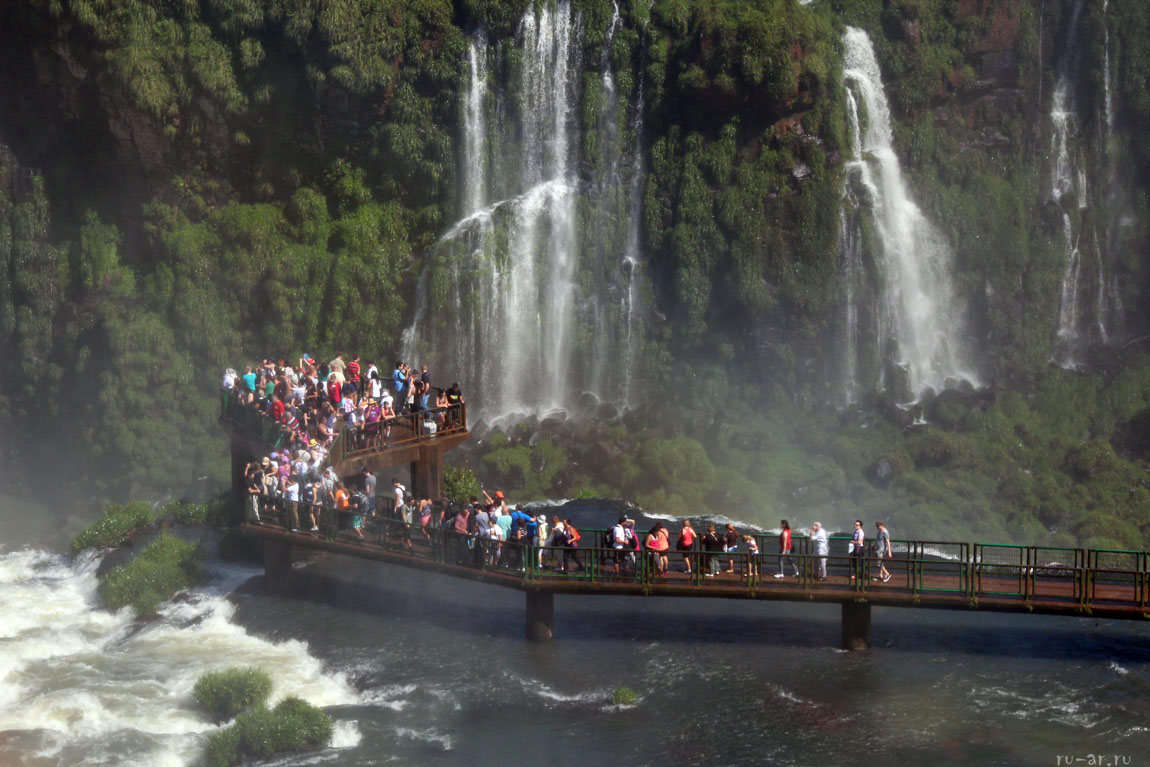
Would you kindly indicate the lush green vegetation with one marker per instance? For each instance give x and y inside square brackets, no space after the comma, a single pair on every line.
[224,694]
[167,566]
[460,484]
[118,522]
[1064,466]
[293,725]
[199,184]
[114,526]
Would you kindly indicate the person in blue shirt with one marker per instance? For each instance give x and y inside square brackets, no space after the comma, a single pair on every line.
[398,377]
[523,529]
[249,378]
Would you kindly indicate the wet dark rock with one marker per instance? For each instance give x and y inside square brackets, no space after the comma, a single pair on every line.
[607,411]
[479,429]
[588,401]
[898,382]
[113,559]
[926,397]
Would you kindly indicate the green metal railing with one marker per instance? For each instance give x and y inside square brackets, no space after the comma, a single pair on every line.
[1025,573]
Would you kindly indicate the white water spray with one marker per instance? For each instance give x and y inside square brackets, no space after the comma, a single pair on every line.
[80,685]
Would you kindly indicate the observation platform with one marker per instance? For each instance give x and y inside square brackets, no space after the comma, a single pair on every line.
[924,574]
[403,439]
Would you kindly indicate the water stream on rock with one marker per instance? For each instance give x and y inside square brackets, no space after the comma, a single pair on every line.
[920,323]
[535,296]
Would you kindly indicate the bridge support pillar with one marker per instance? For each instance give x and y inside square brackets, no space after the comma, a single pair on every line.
[427,476]
[856,625]
[277,566]
[240,458]
[540,616]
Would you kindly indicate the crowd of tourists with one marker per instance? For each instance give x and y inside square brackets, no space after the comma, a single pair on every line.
[311,401]
[493,533]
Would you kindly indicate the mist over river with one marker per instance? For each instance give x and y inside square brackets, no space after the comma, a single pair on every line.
[419,669]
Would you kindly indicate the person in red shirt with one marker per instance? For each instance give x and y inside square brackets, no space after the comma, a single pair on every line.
[353,372]
[334,391]
[277,408]
[785,548]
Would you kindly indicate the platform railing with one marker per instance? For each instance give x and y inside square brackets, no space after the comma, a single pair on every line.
[1074,576]
[396,431]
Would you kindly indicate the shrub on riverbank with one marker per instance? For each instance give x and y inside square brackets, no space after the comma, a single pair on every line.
[167,566]
[293,725]
[224,694]
[114,526]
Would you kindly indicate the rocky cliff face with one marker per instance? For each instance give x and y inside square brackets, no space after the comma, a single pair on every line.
[216,182]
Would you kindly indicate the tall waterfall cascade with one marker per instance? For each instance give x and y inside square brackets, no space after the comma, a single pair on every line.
[1089,306]
[533,294]
[530,297]
[918,323]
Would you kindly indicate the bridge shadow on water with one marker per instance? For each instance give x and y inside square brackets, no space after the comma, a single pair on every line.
[483,610]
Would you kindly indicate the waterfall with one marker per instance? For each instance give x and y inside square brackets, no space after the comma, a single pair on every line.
[632,256]
[474,126]
[499,306]
[850,267]
[920,322]
[1068,190]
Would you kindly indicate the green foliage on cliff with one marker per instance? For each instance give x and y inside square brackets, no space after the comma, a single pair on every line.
[204,184]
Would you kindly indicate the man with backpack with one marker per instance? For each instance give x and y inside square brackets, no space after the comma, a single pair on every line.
[621,541]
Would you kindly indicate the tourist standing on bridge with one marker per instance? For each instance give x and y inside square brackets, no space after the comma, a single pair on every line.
[254,480]
[821,549]
[882,551]
[542,531]
[398,380]
[686,543]
[657,543]
[786,546]
[731,544]
[369,489]
[858,550]
[571,545]
[712,545]
[619,543]
[752,545]
[398,489]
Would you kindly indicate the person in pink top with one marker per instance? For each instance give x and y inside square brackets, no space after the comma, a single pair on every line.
[686,543]
[658,542]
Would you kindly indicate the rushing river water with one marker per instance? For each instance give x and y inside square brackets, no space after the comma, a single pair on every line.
[418,669]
